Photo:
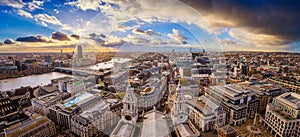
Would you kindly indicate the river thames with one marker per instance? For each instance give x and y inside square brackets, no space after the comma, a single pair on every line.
[44,79]
[32,80]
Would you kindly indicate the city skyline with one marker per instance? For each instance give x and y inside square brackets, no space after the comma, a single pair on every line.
[149,68]
[52,25]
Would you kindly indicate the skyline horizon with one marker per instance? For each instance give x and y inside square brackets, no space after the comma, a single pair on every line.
[215,25]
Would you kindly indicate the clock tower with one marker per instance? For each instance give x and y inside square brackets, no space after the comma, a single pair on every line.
[179,113]
[130,105]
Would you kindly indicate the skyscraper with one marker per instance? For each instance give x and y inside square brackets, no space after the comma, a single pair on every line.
[79,51]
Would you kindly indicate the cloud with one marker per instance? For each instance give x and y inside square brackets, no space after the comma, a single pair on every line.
[99,38]
[12,3]
[178,36]
[75,36]
[85,4]
[227,41]
[123,28]
[116,12]
[65,27]
[271,20]
[137,40]
[25,14]
[35,4]
[60,36]
[48,19]
[94,35]
[144,33]
[9,41]
[266,18]
[113,41]
[44,24]
[256,39]
[56,11]
[33,39]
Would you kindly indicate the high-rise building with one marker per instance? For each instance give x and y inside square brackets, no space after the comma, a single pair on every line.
[79,51]
[283,115]
[205,114]
[62,113]
[237,102]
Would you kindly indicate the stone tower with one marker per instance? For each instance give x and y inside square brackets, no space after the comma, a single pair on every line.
[179,112]
[130,105]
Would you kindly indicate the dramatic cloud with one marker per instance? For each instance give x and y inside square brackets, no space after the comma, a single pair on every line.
[97,37]
[75,36]
[13,3]
[178,36]
[271,19]
[144,33]
[48,19]
[60,36]
[152,11]
[33,39]
[94,35]
[25,14]
[9,41]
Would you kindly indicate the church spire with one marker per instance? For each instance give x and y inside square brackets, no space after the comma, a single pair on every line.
[179,85]
[129,88]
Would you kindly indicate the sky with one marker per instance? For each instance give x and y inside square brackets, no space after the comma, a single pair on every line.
[114,25]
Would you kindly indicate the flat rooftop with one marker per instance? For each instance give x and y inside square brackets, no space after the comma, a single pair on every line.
[204,104]
[291,99]
[48,97]
[232,91]
[26,126]
[101,106]
[227,129]
[79,99]
[50,88]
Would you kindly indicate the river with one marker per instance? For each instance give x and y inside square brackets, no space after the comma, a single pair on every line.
[32,80]
[44,79]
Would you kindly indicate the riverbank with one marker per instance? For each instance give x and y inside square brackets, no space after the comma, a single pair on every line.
[32,80]
[24,74]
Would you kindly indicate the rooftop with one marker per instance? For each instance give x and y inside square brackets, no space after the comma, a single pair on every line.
[26,126]
[78,99]
[232,91]
[49,88]
[124,130]
[97,107]
[227,129]
[48,97]
[205,105]
[155,125]
[291,99]
[185,130]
